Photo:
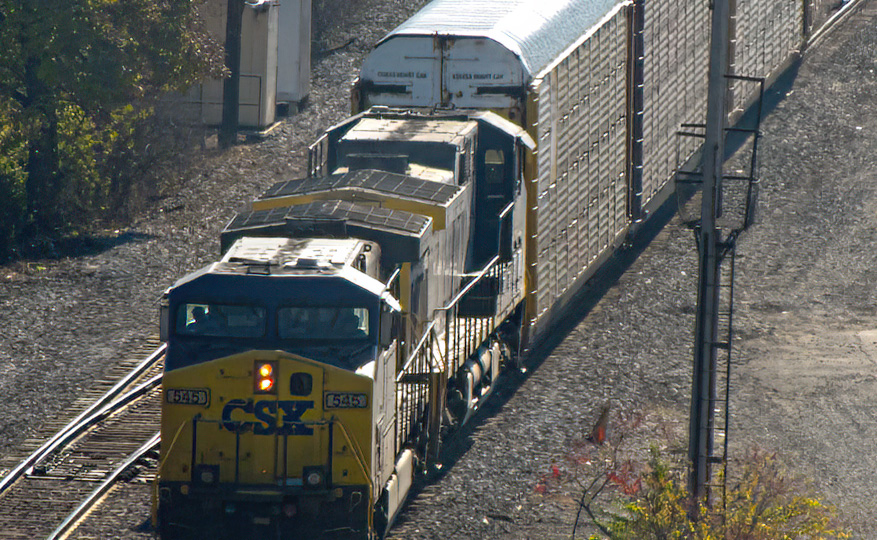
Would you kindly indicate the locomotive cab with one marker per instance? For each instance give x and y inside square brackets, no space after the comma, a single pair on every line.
[328,311]
[279,378]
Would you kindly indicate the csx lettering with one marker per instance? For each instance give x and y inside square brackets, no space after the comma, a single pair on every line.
[265,414]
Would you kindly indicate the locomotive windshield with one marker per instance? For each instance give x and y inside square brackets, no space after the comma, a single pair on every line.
[220,320]
[321,323]
[298,323]
[339,335]
[322,313]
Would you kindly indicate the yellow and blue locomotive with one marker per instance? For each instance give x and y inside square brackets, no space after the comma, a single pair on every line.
[297,397]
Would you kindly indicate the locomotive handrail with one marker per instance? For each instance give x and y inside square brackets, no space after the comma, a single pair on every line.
[447,309]
[315,156]
[505,211]
[430,329]
[161,461]
[360,459]
[243,427]
[478,277]
[357,452]
[239,424]
[393,277]
[424,357]
[413,397]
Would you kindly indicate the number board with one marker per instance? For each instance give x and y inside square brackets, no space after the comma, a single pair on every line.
[344,400]
[188,396]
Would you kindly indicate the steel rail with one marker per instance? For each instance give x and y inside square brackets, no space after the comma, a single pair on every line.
[75,429]
[833,21]
[104,487]
[93,412]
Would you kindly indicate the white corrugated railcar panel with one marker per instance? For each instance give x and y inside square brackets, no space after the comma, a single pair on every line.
[768,32]
[667,78]
[582,160]
[412,62]
[539,31]
[477,65]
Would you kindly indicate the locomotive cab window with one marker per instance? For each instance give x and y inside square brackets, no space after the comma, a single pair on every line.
[494,165]
[323,323]
[220,320]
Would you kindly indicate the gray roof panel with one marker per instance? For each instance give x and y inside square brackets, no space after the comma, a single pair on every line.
[397,221]
[400,234]
[366,179]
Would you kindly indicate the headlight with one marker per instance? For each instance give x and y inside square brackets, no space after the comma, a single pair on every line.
[205,475]
[265,377]
[314,477]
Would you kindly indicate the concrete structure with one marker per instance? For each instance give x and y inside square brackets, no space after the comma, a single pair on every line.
[275,61]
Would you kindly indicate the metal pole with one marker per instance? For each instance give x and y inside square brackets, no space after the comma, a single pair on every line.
[231,87]
[703,391]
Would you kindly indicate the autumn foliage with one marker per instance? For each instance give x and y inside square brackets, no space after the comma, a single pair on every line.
[625,493]
[764,503]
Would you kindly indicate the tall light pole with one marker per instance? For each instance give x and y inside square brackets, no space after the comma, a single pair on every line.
[703,391]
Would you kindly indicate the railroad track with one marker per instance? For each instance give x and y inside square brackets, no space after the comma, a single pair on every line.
[114,437]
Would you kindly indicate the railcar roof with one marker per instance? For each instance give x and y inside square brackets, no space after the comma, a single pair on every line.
[397,221]
[537,31]
[371,180]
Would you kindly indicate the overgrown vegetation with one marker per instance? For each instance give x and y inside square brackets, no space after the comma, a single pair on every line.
[765,503]
[80,81]
[636,494]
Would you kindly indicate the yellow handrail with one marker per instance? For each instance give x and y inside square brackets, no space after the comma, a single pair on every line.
[161,463]
[357,453]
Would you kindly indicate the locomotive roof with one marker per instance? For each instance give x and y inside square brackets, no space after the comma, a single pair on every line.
[397,221]
[410,130]
[291,252]
[366,179]
[399,232]
[537,31]
[303,257]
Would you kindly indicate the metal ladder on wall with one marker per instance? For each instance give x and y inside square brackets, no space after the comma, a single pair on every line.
[722,373]
[742,192]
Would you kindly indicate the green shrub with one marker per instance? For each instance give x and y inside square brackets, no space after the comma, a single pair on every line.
[765,503]
[78,82]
